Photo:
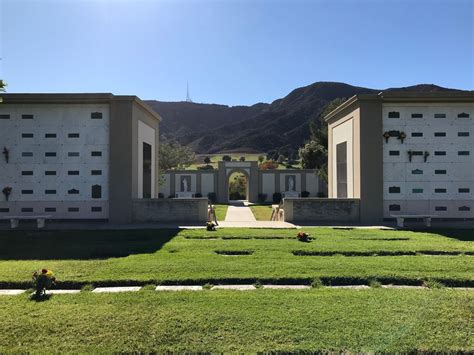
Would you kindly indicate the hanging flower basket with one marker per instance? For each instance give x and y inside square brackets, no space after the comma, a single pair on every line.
[7,190]
[402,136]
[6,153]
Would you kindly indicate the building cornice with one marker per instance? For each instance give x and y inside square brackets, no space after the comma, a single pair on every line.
[80,98]
[403,97]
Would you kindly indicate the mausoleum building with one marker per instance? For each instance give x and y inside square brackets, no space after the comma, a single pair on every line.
[77,156]
[402,153]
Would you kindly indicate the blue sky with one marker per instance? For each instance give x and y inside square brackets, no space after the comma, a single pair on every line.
[232,52]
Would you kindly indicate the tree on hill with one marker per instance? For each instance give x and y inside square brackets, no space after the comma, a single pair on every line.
[174,155]
[242,158]
[226,158]
[207,160]
[2,87]
[314,154]
[268,165]
[261,158]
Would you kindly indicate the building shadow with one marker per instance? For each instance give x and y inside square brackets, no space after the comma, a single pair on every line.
[86,244]
[466,235]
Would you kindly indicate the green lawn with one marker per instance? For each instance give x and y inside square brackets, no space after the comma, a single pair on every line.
[262,212]
[221,211]
[319,319]
[111,257]
[215,158]
[376,320]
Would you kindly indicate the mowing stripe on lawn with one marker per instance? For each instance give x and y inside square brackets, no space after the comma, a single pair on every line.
[381,253]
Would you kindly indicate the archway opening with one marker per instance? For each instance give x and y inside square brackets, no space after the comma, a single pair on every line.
[238,186]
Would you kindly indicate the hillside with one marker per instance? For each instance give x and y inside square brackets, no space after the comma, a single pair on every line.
[210,128]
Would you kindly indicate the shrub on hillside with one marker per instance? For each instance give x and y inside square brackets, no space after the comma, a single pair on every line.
[207,160]
[236,196]
[205,167]
[268,165]
[242,158]
[226,158]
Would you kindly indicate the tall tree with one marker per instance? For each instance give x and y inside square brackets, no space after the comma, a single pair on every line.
[314,154]
[174,155]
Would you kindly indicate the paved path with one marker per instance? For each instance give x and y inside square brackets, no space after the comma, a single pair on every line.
[4,292]
[238,212]
[239,215]
[257,224]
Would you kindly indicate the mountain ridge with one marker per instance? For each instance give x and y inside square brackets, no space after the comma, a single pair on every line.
[214,128]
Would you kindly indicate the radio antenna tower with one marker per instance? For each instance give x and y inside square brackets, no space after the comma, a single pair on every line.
[188,98]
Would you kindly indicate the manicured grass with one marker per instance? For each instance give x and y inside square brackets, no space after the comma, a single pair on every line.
[221,211]
[262,212]
[374,320]
[189,256]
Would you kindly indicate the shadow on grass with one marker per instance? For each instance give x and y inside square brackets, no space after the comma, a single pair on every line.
[70,245]
[41,298]
[466,235]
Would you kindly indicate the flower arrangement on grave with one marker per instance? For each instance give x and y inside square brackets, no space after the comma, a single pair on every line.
[210,226]
[7,190]
[302,237]
[43,280]
[6,153]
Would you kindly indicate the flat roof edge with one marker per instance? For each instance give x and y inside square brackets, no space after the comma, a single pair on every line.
[44,98]
[397,96]
[349,102]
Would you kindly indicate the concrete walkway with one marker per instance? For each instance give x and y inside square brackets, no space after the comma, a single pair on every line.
[239,215]
[175,288]
[238,212]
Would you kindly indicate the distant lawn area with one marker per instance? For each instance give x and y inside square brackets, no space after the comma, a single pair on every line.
[373,320]
[215,158]
[221,211]
[262,212]
[189,256]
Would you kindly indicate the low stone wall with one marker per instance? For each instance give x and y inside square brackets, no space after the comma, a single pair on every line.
[321,210]
[189,210]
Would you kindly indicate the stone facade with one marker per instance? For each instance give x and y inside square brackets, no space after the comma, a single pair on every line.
[268,182]
[77,156]
[187,210]
[321,210]
[404,154]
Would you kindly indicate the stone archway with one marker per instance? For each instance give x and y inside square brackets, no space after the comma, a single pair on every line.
[249,169]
